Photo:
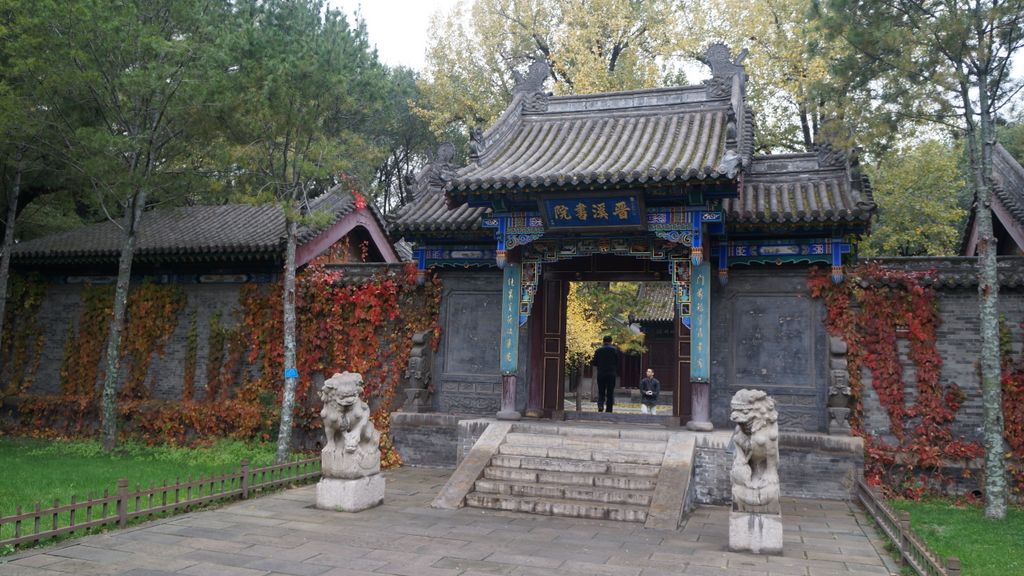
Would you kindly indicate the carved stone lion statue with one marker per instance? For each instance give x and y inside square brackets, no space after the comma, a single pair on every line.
[346,420]
[755,467]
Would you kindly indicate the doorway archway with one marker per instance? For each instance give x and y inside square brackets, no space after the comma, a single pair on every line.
[547,329]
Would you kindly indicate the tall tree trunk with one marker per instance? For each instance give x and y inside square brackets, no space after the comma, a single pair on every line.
[291,376]
[113,355]
[5,258]
[805,128]
[988,296]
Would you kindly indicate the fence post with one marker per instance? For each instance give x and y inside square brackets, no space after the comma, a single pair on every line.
[122,502]
[952,566]
[245,479]
[904,543]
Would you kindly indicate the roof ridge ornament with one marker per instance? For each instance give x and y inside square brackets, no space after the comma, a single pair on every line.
[731,160]
[718,56]
[477,143]
[436,174]
[534,80]
[829,156]
[724,67]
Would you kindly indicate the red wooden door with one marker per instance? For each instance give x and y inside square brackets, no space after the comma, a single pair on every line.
[552,345]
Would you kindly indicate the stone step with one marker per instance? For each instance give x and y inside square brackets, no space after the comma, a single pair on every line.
[572,453]
[566,492]
[612,480]
[574,465]
[585,442]
[583,431]
[665,420]
[558,507]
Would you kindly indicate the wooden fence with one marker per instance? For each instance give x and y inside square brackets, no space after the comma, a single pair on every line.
[125,505]
[913,551]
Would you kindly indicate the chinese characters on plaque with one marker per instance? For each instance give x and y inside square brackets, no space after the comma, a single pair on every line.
[700,327]
[593,212]
[510,319]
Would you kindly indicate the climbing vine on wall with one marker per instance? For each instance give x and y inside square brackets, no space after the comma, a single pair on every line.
[870,311]
[23,333]
[1013,418]
[365,328]
[360,327]
[153,311]
[85,342]
[188,383]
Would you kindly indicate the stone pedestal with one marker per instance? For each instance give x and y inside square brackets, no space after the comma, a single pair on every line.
[508,399]
[701,403]
[755,532]
[338,463]
[839,421]
[350,495]
[417,401]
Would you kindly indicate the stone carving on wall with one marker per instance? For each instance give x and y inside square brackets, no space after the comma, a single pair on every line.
[838,388]
[755,523]
[350,459]
[418,390]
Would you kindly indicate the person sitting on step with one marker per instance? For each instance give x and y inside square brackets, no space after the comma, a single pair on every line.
[649,390]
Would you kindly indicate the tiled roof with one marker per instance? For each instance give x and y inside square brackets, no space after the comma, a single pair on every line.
[634,138]
[656,302]
[956,271]
[578,144]
[1009,181]
[812,188]
[430,213]
[191,232]
[1007,187]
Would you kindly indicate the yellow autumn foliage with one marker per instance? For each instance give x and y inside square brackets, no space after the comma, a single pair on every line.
[582,330]
[591,46]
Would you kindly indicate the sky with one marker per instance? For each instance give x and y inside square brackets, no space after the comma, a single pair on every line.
[397,27]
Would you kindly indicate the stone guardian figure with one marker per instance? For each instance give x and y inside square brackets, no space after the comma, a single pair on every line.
[350,459]
[755,523]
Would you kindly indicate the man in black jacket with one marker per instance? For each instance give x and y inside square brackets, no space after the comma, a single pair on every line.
[606,360]
[650,388]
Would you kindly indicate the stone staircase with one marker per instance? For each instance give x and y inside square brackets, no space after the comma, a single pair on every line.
[605,472]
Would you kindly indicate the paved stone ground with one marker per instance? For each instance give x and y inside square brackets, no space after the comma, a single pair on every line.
[284,534]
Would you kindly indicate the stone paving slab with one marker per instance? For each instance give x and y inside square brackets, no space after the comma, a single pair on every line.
[284,534]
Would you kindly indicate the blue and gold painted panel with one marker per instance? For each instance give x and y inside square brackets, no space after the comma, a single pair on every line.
[510,319]
[700,318]
[593,212]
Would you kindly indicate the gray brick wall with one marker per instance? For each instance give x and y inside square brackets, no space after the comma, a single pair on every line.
[428,440]
[469,432]
[959,345]
[59,313]
[58,317]
[810,466]
[435,440]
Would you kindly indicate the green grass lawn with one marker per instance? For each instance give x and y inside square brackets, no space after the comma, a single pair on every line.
[984,547]
[43,470]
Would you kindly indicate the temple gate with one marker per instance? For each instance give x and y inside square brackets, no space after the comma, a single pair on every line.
[569,188]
